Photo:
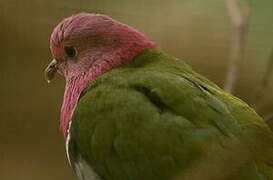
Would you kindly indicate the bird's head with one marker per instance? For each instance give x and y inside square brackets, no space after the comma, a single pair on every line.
[85,46]
[92,44]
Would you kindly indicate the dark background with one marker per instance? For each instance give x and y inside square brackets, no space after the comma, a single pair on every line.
[197,31]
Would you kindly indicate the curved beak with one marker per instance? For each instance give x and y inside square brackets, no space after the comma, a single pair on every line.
[50,70]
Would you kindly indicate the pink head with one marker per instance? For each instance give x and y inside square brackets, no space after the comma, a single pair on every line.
[87,45]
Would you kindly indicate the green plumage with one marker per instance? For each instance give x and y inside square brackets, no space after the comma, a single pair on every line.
[156,119]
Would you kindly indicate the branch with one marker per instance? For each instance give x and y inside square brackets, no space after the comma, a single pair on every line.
[265,81]
[268,117]
[269,120]
[239,18]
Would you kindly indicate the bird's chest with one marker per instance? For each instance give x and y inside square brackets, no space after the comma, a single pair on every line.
[84,171]
[82,168]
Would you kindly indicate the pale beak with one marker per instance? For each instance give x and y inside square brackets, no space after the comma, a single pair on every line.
[50,70]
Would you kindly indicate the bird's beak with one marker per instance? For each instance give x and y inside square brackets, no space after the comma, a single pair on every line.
[50,70]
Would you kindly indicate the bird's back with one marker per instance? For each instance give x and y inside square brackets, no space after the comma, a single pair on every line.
[155,118]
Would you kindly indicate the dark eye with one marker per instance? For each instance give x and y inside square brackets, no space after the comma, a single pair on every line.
[70,51]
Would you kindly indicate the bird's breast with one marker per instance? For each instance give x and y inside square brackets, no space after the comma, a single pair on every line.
[83,169]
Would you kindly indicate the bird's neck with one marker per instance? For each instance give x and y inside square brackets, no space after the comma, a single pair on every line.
[73,88]
[76,84]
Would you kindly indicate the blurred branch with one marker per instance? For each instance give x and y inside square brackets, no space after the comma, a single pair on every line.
[264,83]
[268,117]
[269,120]
[239,18]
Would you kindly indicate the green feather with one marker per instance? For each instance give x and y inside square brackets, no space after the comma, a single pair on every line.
[156,119]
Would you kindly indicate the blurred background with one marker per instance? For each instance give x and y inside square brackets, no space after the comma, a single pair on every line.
[197,31]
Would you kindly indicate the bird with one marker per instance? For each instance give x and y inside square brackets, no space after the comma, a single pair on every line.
[131,111]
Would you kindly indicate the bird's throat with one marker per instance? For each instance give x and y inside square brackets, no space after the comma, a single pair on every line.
[74,87]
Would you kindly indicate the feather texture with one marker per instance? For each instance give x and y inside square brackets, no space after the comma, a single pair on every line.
[154,118]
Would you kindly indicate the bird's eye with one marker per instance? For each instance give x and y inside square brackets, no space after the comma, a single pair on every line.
[70,51]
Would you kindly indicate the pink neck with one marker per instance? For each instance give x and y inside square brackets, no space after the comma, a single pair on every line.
[75,85]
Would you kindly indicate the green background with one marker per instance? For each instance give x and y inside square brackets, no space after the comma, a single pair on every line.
[197,31]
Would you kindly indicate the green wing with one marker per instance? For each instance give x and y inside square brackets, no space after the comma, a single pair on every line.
[153,121]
